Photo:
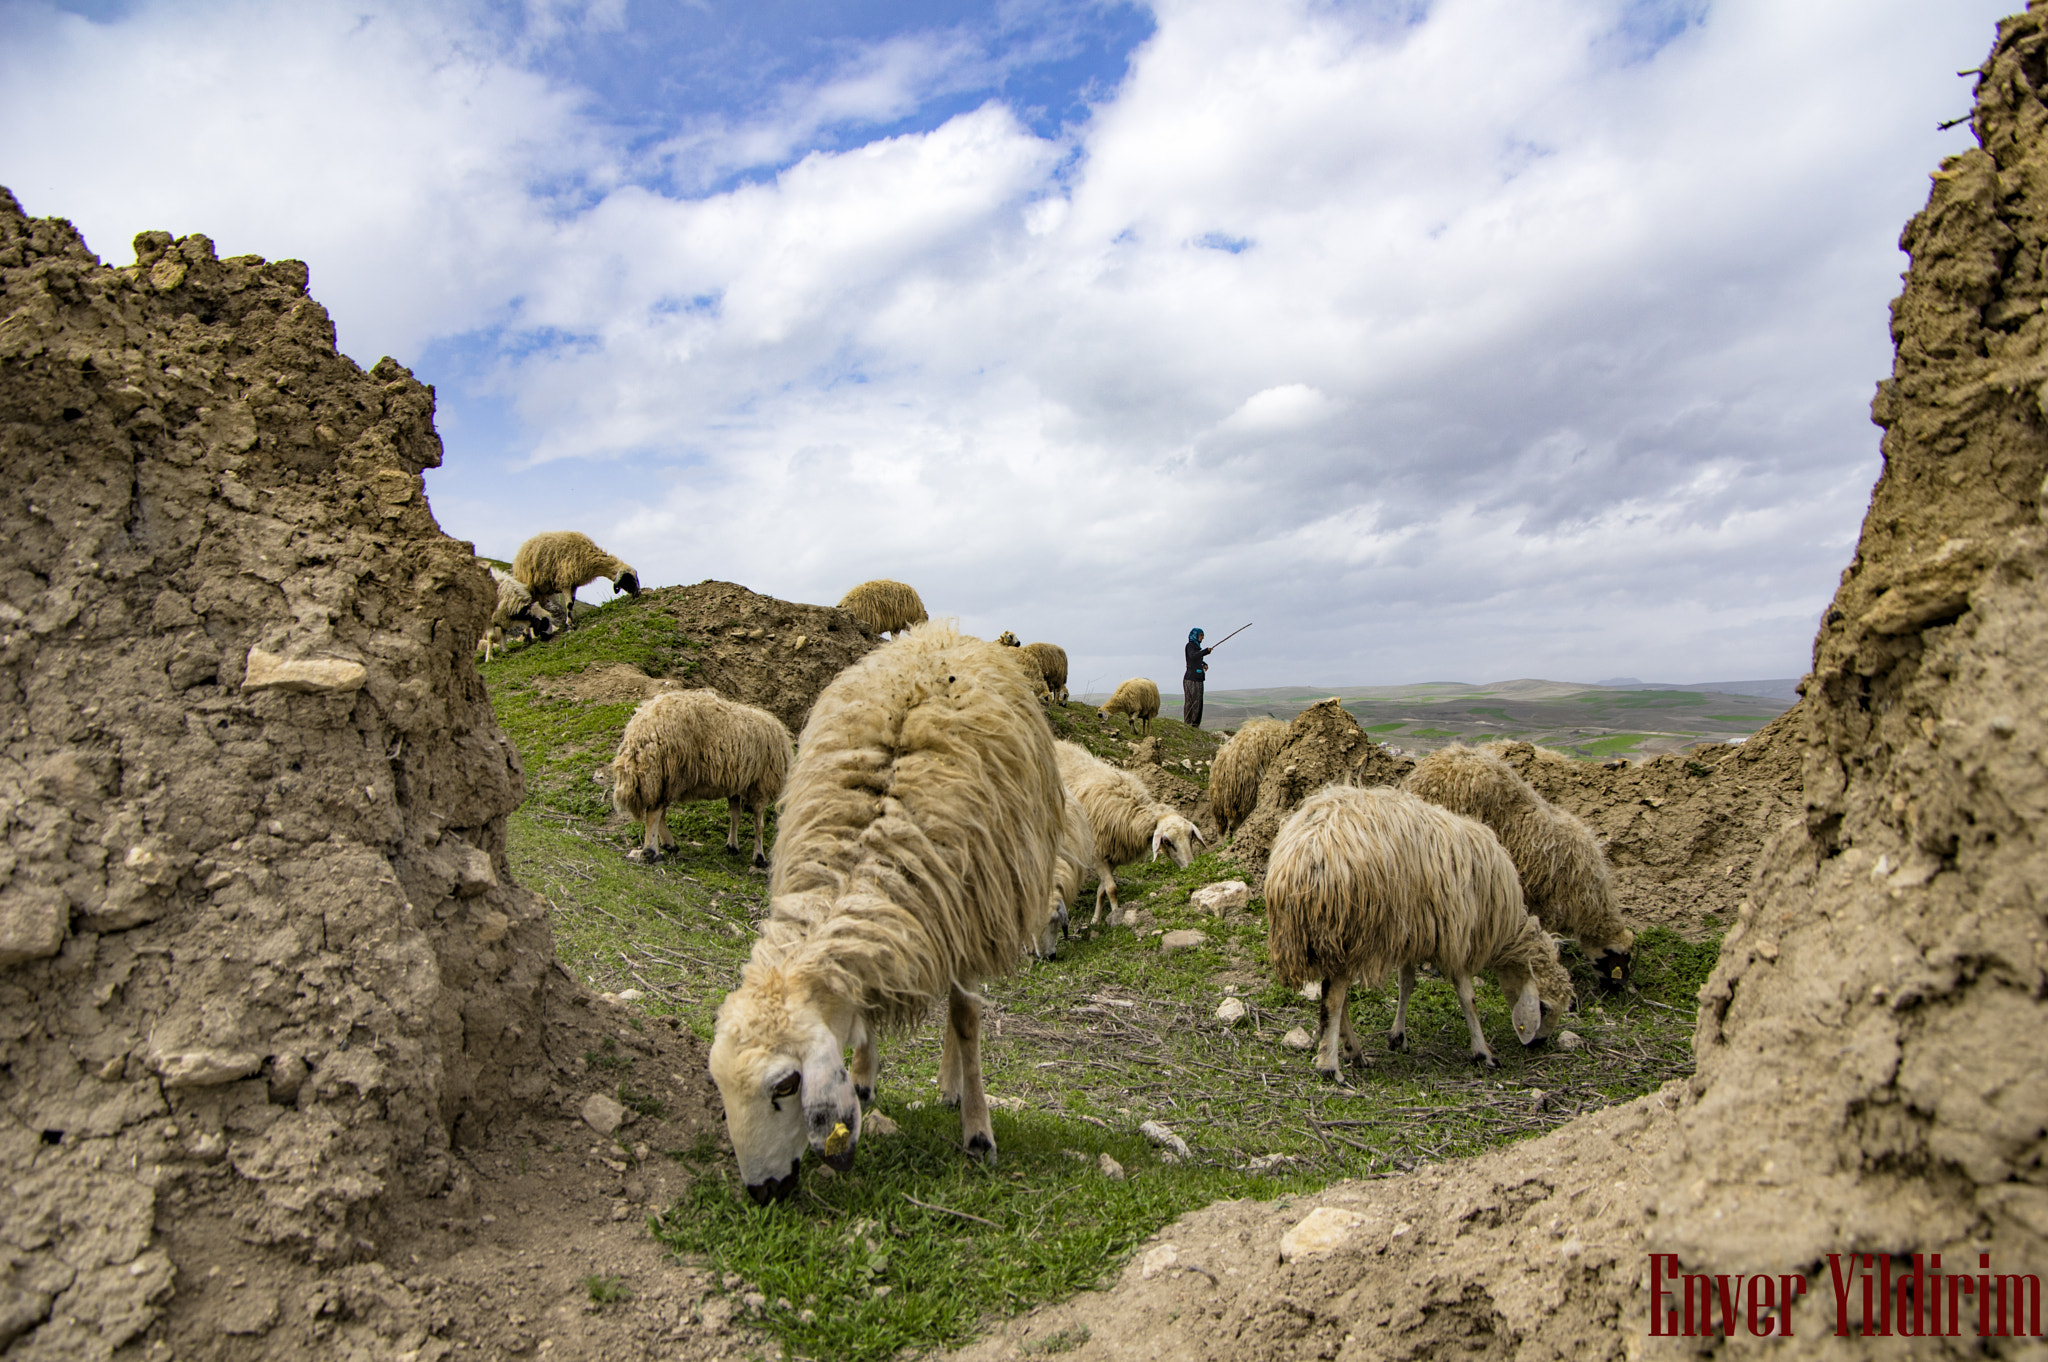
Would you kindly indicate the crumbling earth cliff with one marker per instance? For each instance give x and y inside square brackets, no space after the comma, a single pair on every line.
[263,973]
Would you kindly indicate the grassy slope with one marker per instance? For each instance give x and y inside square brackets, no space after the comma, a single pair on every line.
[1080,1051]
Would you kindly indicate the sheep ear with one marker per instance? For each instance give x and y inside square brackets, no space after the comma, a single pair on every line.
[1156,835]
[1198,835]
[1527,1014]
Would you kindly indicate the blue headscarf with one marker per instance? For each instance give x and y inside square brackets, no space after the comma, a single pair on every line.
[1194,634]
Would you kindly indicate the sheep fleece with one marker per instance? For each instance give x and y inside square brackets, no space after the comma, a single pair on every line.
[696,744]
[885,606]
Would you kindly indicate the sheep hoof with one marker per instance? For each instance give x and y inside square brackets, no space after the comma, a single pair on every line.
[982,1147]
[760,861]
[1397,1040]
[643,856]
[1328,1075]
[1486,1061]
[865,1092]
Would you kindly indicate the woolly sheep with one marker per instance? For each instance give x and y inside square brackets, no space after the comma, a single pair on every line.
[515,612]
[1234,775]
[696,744]
[564,560]
[884,606]
[1008,639]
[1565,879]
[1123,816]
[1137,698]
[919,829]
[1051,661]
[1365,881]
[1076,859]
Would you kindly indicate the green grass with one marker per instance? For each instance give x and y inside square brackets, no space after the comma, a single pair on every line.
[1079,1050]
[1608,746]
[1385,728]
[1758,719]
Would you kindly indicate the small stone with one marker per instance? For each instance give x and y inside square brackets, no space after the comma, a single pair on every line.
[603,1114]
[1157,1133]
[1321,1231]
[754,1301]
[1538,1099]
[1182,941]
[1227,896]
[1298,1039]
[1266,1163]
[1110,1168]
[1231,1011]
[1154,1261]
[630,995]
[875,1123]
[881,1293]
[303,675]
[1312,990]
[1570,1040]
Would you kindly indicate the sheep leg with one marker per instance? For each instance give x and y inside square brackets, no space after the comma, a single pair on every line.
[1353,1050]
[732,824]
[963,1033]
[1331,1024]
[1105,888]
[760,834]
[1398,1037]
[1482,1053]
[866,1062]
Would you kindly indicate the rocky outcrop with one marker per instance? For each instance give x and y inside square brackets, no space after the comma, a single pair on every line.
[260,952]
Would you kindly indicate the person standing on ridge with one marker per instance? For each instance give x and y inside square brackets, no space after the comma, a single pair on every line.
[1191,680]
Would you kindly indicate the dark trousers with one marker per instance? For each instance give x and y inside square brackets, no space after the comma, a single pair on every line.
[1191,702]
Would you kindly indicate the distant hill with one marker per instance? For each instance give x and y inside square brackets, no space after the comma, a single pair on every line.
[1630,718]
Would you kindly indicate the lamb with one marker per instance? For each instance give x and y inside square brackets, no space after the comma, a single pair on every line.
[1364,881]
[1123,816]
[515,611]
[919,831]
[1051,661]
[563,560]
[884,606]
[1137,698]
[1565,879]
[696,744]
[1234,775]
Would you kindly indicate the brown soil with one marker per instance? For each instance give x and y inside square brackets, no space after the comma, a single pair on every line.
[285,1058]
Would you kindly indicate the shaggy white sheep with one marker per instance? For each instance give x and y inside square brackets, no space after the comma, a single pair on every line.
[1565,879]
[1124,818]
[1234,776]
[1364,881]
[696,744]
[918,835]
[1137,698]
[516,614]
[1051,661]
[556,561]
[884,606]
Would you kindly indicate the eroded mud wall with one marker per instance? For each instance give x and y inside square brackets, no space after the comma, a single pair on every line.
[259,953]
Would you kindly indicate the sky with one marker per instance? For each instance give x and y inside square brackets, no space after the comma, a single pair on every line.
[1445,340]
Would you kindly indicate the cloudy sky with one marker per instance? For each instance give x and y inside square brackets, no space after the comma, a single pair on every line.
[1452,340]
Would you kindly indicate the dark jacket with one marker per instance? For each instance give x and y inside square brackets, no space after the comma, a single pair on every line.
[1197,668]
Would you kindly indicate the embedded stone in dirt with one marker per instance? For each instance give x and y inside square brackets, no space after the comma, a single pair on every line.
[1323,1230]
[1183,941]
[1227,896]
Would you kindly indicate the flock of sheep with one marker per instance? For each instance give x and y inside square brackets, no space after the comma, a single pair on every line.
[932,832]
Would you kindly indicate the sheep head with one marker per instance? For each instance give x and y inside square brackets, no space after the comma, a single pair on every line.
[1179,835]
[779,1062]
[1616,962]
[1540,989]
[628,582]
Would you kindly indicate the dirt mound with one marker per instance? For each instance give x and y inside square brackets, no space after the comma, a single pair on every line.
[1684,832]
[1867,1082]
[267,991]
[1324,746]
[756,649]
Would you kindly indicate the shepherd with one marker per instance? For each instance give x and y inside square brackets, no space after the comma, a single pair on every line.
[1191,680]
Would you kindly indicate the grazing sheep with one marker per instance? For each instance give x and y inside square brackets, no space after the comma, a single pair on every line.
[696,744]
[1364,881]
[1076,859]
[919,831]
[516,613]
[1137,698]
[563,560]
[1051,660]
[1234,775]
[1565,879]
[1123,816]
[884,606]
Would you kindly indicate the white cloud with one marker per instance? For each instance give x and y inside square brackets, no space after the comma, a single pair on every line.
[1477,345]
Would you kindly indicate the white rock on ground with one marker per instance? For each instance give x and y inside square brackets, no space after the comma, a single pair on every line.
[1298,1039]
[875,1123]
[1158,1134]
[1110,1168]
[1230,1011]
[1321,1231]
[1570,1040]
[1226,896]
[1182,941]
[603,1114]
[1154,1261]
